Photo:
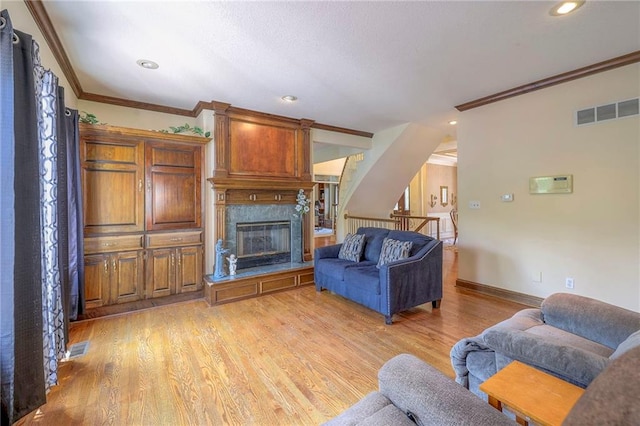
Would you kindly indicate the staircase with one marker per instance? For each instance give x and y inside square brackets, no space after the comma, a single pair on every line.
[372,181]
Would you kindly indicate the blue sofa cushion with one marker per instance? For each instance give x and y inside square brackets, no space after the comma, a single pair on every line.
[352,247]
[373,241]
[393,250]
[335,268]
[363,277]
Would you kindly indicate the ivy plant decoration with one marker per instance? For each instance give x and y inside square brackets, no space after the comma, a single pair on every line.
[186,128]
[88,118]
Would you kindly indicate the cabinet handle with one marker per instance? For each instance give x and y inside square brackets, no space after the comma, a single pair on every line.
[173,259]
[140,185]
[179,261]
[108,244]
[175,239]
[115,265]
[106,266]
[149,185]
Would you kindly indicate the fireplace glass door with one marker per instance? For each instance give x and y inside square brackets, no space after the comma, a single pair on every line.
[263,243]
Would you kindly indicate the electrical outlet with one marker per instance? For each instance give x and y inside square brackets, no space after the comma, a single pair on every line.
[474,204]
[536,277]
[568,282]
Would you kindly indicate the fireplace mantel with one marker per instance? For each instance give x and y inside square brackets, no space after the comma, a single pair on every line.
[260,160]
[226,183]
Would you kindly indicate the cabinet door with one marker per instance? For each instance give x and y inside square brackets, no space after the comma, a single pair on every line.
[173,175]
[112,185]
[189,271]
[96,280]
[127,278]
[160,272]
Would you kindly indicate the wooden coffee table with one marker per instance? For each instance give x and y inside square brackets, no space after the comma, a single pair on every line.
[531,394]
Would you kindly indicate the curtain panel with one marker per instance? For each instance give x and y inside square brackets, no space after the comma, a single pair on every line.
[22,333]
[40,229]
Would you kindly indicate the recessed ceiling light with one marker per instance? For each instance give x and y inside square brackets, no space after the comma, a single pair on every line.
[145,63]
[453,122]
[289,98]
[565,7]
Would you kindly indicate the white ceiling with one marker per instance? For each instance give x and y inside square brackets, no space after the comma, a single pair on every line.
[360,65]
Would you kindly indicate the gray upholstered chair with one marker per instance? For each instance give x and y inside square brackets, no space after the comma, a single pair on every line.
[571,337]
[412,392]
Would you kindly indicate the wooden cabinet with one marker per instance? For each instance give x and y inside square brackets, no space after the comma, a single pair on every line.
[189,272]
[170,269]
[112,184]
[142,209]
[174,183]
[112,278]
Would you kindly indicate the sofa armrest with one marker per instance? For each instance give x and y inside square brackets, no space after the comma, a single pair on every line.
[431,397]
[570,363]
[327,251]
[592,319]
[412,281]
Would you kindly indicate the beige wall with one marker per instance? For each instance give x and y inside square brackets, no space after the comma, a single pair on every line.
[592,234]
[329,168]
[435,177]
[135,118]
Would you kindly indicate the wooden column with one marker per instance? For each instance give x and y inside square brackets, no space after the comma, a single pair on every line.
[221,139]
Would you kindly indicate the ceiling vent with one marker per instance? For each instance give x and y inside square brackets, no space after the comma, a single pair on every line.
[607,112]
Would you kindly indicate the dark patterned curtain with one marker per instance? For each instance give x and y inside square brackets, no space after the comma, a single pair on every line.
[52,205]
[41,229]
[21,338]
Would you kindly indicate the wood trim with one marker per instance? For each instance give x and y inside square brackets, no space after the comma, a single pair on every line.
[136,104]
[221,183]
[218,291]
[607,65]
[147,135]
[500,293]
[342,130]
[125,308]
[41,17]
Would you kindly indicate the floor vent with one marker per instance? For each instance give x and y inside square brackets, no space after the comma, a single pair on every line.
[78,350]
[607,112]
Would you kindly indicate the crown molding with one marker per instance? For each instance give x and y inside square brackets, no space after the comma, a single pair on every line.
[41,18]
[607,65]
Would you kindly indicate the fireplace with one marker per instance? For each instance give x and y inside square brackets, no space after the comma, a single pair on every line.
[262,234]
[263,243]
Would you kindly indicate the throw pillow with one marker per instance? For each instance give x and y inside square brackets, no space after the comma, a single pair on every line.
[629,343]
[393,250]
[352,247]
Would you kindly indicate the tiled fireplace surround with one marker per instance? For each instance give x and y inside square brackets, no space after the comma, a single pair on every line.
[244,213]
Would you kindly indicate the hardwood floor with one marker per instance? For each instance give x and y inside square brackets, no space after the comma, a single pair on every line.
[298,357]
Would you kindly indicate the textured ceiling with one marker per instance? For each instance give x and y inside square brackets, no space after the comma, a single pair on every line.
[360,65]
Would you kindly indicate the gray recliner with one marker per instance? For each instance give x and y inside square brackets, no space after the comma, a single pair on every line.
[571,337]
[412,392]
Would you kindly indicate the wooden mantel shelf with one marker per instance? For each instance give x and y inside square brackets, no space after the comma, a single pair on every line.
[224,183]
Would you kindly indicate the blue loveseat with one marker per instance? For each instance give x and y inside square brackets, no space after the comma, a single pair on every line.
[391,288]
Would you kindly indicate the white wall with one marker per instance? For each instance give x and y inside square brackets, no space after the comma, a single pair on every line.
[593,234]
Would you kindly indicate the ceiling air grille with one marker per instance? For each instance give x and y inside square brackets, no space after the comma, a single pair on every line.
[607,112]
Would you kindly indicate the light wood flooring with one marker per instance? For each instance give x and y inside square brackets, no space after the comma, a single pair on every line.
[293,358]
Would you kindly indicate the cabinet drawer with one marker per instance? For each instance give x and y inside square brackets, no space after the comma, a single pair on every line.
[109,244]
[174,239]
